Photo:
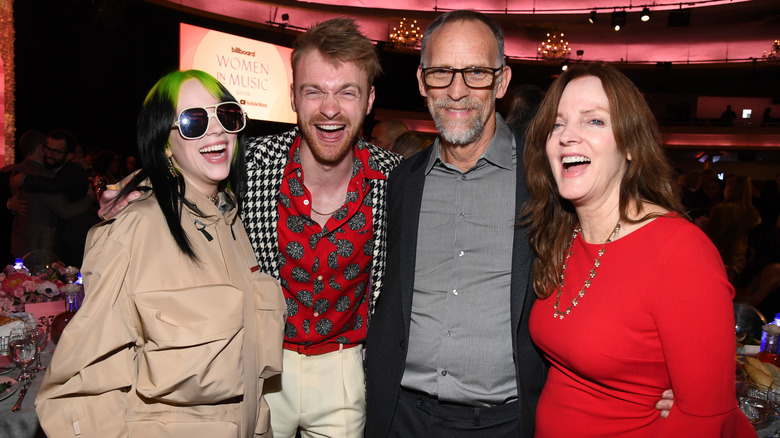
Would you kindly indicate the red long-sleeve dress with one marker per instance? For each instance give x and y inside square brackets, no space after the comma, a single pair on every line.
[657,315]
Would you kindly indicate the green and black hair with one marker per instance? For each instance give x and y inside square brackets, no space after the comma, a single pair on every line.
[155,120]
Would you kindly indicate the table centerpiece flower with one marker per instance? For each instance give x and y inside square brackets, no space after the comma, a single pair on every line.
[19,287]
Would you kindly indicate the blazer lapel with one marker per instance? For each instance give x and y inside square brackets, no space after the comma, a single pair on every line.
[522,295]
[410,202]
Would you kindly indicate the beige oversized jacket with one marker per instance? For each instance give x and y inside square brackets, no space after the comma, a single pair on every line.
[162,346]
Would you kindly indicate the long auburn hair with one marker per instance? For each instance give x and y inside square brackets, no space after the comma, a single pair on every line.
[155,120]
[649,178]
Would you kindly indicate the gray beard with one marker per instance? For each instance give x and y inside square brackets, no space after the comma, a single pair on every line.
[464,137]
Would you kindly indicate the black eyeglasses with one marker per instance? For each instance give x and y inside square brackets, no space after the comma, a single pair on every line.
[474,77]
[193,123]
[51,151]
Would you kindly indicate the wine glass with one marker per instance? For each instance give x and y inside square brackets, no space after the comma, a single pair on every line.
[22,351]
[41,335]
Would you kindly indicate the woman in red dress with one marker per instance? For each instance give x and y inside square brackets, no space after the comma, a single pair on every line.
[634,298]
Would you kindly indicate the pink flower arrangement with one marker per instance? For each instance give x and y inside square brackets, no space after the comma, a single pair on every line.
[19,287]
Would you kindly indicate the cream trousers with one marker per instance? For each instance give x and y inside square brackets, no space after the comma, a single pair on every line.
[322,395]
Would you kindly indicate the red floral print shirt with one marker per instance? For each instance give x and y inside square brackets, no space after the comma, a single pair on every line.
[325,272]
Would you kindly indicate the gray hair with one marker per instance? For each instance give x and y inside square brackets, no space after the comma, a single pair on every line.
[464,15]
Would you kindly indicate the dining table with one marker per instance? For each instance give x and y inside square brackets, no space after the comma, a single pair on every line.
[24,422]
[765,427]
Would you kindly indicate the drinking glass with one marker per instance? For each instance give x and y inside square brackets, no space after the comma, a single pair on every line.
[22,351]
[741,332]
[761,406]
[5,367]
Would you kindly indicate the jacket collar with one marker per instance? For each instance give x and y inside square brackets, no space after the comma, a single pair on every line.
[225,207]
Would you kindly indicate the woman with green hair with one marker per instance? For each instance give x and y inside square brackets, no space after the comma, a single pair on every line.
[178,330]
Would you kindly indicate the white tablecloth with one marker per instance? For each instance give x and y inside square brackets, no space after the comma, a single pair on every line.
[24,422]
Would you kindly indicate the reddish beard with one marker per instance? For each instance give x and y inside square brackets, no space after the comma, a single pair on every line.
[326,152]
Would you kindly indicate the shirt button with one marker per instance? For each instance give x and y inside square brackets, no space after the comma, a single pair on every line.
[444,373]
[462,215]
[460,254]
[305,202]
[319,277]
[316,314]
[449,333]
[463,178]
[454,291]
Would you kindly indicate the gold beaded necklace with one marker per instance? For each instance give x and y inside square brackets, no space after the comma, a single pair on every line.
[559,314]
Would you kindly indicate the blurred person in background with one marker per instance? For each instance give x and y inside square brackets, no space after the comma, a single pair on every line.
[519,105]
[712,188]
[728,116]
[693,199]
[70,179]
[37,226]
[409,143]
[129,166]
[386,131]
[106,166]
[729,222]
[83,158]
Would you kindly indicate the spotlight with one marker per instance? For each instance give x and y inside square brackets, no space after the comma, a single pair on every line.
[680,18]
[645,14]
[592,18]
[565,65]
[618,20]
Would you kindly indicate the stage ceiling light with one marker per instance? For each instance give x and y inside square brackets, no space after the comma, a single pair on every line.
[618,20]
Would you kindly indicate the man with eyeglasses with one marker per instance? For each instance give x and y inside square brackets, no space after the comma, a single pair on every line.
[448,352]
[71,180]
[35,226]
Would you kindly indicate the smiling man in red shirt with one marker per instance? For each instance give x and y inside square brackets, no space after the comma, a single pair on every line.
[317,220]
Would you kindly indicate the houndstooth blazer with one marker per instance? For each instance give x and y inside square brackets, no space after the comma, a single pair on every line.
[266,159]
